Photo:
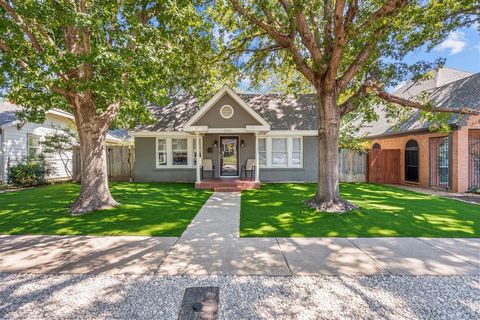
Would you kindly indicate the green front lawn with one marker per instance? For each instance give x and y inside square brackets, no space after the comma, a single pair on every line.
[148,209]
[277,210]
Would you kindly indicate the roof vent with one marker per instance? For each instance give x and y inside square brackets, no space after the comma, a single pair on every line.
[226,111]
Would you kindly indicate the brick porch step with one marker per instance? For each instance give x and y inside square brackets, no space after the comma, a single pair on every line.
[213,184]
[227,189]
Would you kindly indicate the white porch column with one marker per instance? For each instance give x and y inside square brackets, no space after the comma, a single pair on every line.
[197,146]
[257,160]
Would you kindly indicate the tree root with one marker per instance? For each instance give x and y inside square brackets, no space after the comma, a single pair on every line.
[335,206]
[81,207]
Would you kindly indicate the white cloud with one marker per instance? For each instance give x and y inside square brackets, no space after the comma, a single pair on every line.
[455,42]
[477,46]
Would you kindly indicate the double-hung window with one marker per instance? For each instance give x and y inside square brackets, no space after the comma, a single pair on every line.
[279,152]
[33,148]
[161,152]
[262,152]
[296,159]
[179,152]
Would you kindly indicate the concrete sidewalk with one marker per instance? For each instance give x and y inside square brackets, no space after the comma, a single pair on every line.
[210,245]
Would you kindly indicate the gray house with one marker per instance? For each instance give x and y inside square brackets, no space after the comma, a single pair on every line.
[261,137]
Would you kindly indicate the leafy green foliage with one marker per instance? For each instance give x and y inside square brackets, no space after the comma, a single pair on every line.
[387,37]
[274,211]
[29,172]
[126,52]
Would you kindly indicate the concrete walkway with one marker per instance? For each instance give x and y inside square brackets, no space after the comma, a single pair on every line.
[210,245]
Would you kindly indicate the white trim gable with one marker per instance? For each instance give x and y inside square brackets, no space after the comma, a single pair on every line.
[189,127]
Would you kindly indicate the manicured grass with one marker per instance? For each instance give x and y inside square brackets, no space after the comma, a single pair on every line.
[277,210]
[148,209]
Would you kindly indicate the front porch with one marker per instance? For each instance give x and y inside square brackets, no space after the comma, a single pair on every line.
[227,184]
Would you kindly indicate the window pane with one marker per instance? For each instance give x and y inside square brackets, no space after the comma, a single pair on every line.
[279,145]
[162,159]
[180,158]
[296,159]
[279,158]
[262,145]
[179,144]
[179,149]
[162,145]
[262,158]
[162,152]
[296,144]
[33,145]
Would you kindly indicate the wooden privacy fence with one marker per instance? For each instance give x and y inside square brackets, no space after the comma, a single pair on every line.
[120,164]
[384,166]
[352,166]
[120,161]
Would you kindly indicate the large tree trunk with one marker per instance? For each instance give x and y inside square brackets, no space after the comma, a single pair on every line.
[94,192]
[328,198]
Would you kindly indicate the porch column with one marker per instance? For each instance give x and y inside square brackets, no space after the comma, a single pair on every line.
[197,145]
[257,160]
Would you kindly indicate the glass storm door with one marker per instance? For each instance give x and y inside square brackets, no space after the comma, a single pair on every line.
[229,156]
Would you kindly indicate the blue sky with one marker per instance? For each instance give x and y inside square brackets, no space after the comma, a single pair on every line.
[461,49]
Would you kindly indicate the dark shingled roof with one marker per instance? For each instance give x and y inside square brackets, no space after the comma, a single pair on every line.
[7,112]
[464,92]
[281,112]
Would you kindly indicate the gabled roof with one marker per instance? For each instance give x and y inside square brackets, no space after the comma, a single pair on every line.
[7,113]
[458,89]
[225,90]
[279,111]
[8,117]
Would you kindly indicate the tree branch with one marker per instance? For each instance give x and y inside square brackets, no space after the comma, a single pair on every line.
[370,86]
[338,45]
[16,17]
[383,11]
[307,36]
[5,47]
[359,61]
[283,40]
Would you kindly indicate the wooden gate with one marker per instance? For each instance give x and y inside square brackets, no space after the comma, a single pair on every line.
[120,161]
[384,166]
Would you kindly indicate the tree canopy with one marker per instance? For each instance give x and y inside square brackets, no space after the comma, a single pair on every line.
[121,53]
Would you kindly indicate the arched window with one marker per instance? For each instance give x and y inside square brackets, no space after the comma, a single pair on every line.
[376,146]
[411,161]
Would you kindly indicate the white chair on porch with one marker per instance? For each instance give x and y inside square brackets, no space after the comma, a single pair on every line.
[249,167]
[207,165]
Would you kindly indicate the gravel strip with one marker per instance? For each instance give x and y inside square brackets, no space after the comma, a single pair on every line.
[24,296]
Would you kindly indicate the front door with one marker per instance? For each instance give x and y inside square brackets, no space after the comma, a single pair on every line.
[229,156]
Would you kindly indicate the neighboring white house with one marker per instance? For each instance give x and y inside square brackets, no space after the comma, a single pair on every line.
[18,139]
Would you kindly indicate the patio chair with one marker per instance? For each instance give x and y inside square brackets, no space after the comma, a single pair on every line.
[207,165]
[249,168]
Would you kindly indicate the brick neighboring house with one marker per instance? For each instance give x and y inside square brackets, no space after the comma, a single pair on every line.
[428,159]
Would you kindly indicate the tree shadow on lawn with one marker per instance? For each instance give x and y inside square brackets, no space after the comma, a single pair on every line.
[148,209]
[278,210]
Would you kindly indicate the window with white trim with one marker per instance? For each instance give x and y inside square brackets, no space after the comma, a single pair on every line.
[34,149]
[279,152]
[262,152]
[296,152]
[179,152]
[161,152]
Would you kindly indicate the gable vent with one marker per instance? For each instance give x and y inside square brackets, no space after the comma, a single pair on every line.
[226,111]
